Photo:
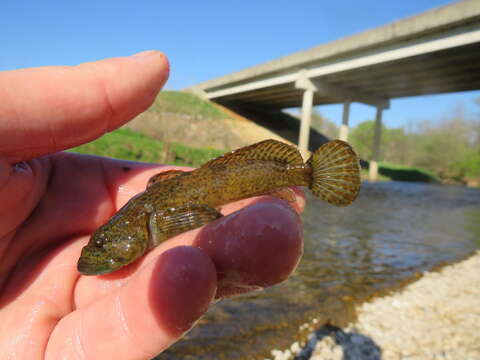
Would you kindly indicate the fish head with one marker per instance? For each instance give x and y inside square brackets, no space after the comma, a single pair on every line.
[111,248]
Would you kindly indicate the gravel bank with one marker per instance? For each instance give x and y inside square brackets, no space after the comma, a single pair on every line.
[437,317]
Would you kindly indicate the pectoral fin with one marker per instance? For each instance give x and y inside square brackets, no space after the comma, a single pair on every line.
[167,223]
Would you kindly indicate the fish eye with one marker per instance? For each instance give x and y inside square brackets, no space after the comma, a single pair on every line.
[98,242]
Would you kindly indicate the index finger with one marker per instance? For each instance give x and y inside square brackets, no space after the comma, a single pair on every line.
[48,109]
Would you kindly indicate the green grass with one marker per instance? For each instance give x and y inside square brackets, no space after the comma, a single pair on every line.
[180,102]
[194,156]
[129,145]
[396,172]
[380,177]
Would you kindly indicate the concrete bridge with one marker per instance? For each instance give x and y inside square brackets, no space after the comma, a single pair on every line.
[435,52]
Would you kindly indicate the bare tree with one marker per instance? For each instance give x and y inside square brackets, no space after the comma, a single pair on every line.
[323,125]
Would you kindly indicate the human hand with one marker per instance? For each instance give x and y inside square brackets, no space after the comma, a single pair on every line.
[50,202]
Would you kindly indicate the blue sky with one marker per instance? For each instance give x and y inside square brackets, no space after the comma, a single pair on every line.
[206,39]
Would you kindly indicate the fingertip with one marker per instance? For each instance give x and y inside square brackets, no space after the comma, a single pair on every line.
[131,83]
[158,63]
[256,247]
[300,198]
[153,56]
[183,285]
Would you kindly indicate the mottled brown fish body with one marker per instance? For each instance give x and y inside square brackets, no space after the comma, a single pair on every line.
[177,201]
[220,184]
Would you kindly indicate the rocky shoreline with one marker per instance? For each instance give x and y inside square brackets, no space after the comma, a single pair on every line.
[435,317]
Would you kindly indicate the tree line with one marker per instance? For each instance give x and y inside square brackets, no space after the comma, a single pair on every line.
[449,147]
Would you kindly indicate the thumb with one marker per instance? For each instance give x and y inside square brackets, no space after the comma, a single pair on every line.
[145,316]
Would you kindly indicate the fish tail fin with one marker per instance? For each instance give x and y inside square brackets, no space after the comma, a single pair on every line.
[335,173]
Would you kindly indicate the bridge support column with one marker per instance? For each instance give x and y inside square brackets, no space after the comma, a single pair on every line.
[373,168]
[304,136]
[344,127]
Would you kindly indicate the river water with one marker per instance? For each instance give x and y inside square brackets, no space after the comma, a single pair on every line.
[393,232]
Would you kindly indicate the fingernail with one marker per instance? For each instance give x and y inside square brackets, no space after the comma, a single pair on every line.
[144,54]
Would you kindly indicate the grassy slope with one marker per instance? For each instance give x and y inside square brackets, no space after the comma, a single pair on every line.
[189,104]
[129,145]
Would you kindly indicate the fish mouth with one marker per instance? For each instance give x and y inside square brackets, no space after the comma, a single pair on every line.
[92,263]
[85,267]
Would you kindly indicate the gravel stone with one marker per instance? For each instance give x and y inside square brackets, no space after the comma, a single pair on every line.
[436,317]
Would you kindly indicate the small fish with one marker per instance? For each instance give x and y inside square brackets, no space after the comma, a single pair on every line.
[177,201]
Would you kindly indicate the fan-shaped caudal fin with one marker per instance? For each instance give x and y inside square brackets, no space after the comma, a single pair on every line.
[336,173]
[267,150]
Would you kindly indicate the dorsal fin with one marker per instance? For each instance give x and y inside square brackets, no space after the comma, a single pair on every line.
[266,150]
[169,174]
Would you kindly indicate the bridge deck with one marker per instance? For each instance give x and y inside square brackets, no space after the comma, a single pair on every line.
[435,52]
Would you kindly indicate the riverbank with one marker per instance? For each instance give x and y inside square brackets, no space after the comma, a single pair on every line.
[436,317]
